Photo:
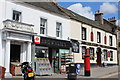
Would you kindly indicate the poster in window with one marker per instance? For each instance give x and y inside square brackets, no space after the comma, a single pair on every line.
[75,46]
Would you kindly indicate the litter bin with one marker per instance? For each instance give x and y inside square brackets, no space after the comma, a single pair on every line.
[72,75]
[2,72]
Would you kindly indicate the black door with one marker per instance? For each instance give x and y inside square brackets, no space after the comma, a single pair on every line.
[15,53]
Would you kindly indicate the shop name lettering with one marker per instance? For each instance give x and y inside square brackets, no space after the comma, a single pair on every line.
[54,42]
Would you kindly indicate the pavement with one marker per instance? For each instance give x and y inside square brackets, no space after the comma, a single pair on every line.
[104,73]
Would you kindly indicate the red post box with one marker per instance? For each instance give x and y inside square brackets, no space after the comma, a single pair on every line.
[87,62]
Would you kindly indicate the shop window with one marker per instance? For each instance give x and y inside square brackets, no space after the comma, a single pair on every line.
[83,33]
[111,55]
[105,55]
[110,40]
[41,53]
[83,51]
[98,37]
[91,53]
[92,37]
[43,26]
[58,29]
[105,39]
[16,16]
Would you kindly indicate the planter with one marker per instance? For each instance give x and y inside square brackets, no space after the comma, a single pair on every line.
[111,59]
[2,72]
[91,57]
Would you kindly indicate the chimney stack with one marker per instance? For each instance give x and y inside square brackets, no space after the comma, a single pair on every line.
[99,17]
[112,20]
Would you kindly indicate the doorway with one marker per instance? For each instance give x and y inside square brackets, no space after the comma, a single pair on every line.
[54,59]
[15,53]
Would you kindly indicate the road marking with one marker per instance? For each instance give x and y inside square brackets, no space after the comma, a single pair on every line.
[109,75]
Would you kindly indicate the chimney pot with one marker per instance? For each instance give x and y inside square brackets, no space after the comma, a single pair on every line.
[112,20]
[98,11]
[99,17]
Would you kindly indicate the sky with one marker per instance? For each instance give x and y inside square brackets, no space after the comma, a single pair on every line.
[88,9]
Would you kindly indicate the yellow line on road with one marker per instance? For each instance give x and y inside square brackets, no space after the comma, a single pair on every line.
[109,75]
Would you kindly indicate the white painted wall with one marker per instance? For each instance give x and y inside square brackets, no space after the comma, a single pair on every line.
[32,16]
[76,34]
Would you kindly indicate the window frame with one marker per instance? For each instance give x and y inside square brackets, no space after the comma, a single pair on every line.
[105,55]
[111,55]
[59,30]
[110,40]
[98,37]
[44,28]
[93,54]
[82,51]
[84,33]
[14,18]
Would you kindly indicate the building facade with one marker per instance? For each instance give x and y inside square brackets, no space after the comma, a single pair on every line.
[93,35]
[22,24]
[118,45]
[30,31]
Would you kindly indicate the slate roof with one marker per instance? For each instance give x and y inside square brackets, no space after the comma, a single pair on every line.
[49,6]
[52,7]
[93,23]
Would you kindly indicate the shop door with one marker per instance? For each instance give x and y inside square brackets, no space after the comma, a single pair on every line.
[15,53]
[54,59]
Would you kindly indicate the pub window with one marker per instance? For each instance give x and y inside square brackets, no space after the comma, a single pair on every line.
[16,16]
[43,26]
[92,37]
[58,29]
[91,53]
[105,55]
[110,40]
[83,33]
[98,37]
[111,55]
[105,39]
[83,51]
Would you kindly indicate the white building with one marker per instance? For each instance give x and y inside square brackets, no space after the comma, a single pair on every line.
[19,22]
[91,34]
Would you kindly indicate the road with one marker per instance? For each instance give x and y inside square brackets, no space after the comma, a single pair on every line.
[99,73]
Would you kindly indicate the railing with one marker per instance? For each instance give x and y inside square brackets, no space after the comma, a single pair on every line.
[18,26]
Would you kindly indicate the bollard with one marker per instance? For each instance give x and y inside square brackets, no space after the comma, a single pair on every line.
[87,63]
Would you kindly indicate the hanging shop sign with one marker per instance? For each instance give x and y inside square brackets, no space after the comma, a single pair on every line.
[37,39]
[75,46]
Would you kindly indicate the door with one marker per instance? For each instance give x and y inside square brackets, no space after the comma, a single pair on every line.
[15,53]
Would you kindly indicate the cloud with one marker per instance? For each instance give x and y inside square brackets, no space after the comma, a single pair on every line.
[108,8]
[83,11]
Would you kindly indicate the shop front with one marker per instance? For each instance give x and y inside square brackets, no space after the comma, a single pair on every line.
[53,50]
